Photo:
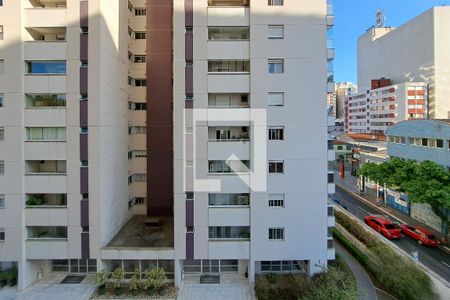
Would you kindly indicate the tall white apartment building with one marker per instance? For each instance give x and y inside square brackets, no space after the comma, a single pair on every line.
[416,51]
[386,104]
[189,135]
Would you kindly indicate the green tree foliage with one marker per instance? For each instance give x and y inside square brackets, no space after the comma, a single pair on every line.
[425,182]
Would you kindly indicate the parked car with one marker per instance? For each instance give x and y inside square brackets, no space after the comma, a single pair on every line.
[383,226]
[421,235]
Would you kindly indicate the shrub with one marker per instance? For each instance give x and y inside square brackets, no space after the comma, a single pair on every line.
[154,280]
[135,283]
[335,284]
[100,281]
[117,277]
[285,287]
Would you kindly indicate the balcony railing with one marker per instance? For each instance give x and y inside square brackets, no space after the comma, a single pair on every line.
[244,3]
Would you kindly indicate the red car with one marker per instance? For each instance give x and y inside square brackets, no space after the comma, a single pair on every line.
[383,226]
[421,235]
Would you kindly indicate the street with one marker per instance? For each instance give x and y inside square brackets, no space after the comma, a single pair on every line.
[434,258]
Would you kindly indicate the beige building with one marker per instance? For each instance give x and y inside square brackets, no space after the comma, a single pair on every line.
[118,120]
[416,51]
[343,89]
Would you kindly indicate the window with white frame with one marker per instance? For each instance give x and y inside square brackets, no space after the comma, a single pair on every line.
[139,200]
[275,2]
[2,167]
[2,201]
[276,65]
[139,59]
[275,99]
[276,234]
[276,167]
[276,200]
[276,133]
[2,134]
[2,234]
[275,32]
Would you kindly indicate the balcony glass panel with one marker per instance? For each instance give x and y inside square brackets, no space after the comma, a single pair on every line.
[46,200]
[229,66]
[228,33]
[220,166]
[45,67]
[229,232]
[47,232]
[229,199]
[228,2]
[45,100]
[45,167]
[46,134]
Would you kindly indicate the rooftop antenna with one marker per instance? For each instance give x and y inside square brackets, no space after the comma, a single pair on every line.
[381,18]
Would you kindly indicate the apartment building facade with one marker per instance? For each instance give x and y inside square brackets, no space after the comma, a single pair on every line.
[416,51]
[384,105]
[117,115]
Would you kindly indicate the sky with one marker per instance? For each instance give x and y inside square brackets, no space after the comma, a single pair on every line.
[354,17]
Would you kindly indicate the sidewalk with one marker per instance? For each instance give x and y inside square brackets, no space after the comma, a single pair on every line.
[350,183]
[366,288]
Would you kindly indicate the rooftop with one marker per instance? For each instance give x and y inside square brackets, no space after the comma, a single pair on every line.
[139,232]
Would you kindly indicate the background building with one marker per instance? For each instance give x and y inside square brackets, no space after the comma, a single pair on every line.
[343,89]
[79,193]
[416,51]
[384,105]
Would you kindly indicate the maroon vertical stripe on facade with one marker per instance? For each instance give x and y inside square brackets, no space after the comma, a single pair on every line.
[159,112]
[84,210]
[190,245]
[85,245]
[84,13]
[190,213]
[84,147]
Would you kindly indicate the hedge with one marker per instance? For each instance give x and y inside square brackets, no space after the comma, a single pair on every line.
[398,275]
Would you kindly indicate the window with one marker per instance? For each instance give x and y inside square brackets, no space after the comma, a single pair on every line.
[276,167]
[276,66]
[2,66]
[45,67]
[46,134]
[140,35]
[228,33]
[190,196]
[330,177]
[2,167]
[229,199]
[276,99]
[139,82]
[275,32]
[1,29]
[137,106]
[291,266]
[139,200]
[2,134]
[228,66]
[425,142]
[33,200]
[276,233]
[439,143]
[276,200]
[2,201]
[276,2]
[36,167]
[276,134]
[140,12]
[2,234]
[45,100]
[229,232]
[139,59]
[137,130]
[140,153]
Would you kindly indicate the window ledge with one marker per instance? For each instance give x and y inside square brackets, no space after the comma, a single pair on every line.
[48,239]
[229,240]
[229,206]
[46,174]
[45,206]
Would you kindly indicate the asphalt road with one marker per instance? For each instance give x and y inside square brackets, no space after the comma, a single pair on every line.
[434,258]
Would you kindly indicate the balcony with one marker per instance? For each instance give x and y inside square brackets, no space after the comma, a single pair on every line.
[227,101]
[245,3]
[223,149]
[45,150]
[45,176]
[45,16]
[46,249]
[229,249]
[228,16]
[44,50]
[45,34]
[229,49]
[229,215]
[229,83]
[46,216]
[229,117]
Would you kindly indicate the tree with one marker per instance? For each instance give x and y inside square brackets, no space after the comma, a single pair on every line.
[424,182]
